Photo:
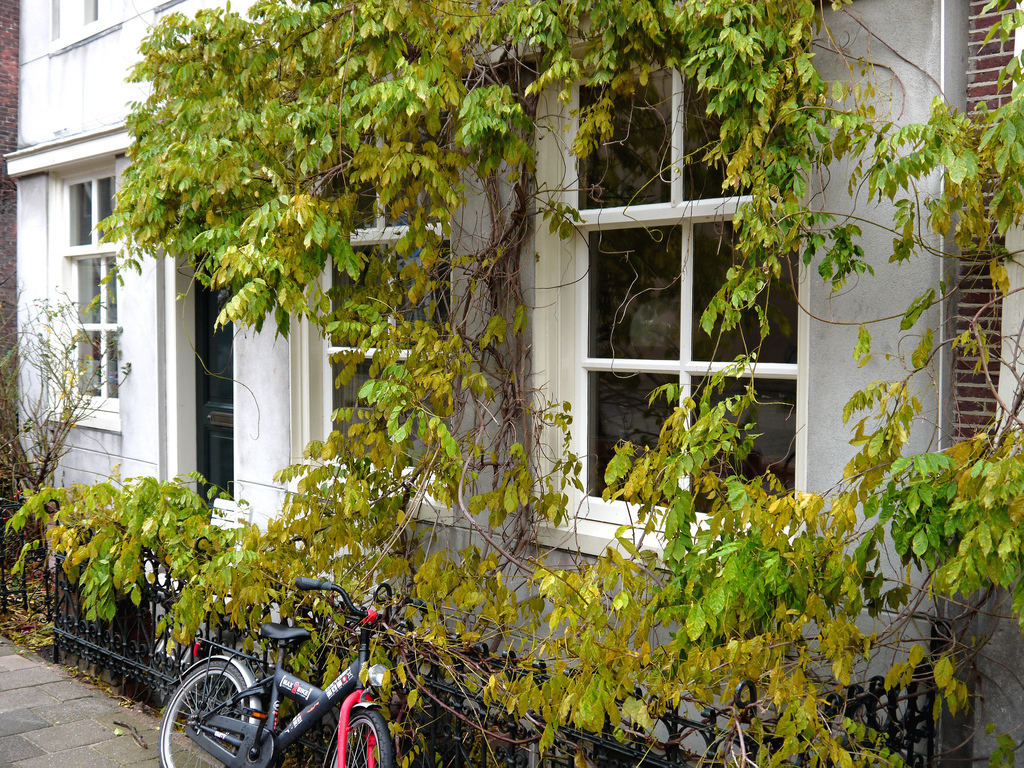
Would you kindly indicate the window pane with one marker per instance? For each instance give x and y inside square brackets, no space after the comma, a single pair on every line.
[700,180]
[90,357]
[632,166]
[110,291]
[347,395]
[635,293]
[81,214]
[92,10]
[773,420]
[620,412]
[112,364]
[89,275]
[104,199]
[435,306]
[713,255]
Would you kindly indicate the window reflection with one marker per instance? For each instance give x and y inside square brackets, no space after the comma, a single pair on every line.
[714,254]
[81,213]
[620,412]
[635,293]
[631,167]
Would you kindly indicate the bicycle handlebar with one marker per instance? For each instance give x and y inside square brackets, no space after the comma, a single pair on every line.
[307,584]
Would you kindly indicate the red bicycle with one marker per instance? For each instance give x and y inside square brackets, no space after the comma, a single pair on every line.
[221,714]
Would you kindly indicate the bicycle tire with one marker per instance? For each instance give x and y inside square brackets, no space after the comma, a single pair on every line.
[200,691]
[369,743]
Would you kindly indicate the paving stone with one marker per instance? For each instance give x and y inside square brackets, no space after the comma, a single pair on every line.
[83,757]
[78,709]
[14,662]
[24,678]
[20,721]
[67,690]
[124,750]
[128,716]
[14,748]
[6,649]
[80,733]
[25,698]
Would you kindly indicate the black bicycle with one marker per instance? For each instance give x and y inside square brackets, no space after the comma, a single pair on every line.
[222,715]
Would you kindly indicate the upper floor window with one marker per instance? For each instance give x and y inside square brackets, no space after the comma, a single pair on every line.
[74,19]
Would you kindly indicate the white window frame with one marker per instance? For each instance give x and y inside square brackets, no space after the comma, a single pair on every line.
[69,22]
[563,364]
[106,413]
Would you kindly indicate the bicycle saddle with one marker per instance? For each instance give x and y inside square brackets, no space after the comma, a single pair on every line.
[283,633]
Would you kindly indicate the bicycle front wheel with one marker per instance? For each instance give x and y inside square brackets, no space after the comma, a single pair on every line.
[368,745]
[201,691]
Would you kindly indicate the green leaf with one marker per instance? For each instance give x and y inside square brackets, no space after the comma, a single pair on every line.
[862,350]
[695,623]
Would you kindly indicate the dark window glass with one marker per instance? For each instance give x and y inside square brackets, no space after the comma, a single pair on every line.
[773,419]
[620,412]
[700,179]
[110,302]
[635,292]
[104,199]
[632,165]
[81,213]
[713,256]
[219,357]
[347,395]
[90,272]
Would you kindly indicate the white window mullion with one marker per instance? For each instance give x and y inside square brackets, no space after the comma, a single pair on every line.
[581,321]
[678,137]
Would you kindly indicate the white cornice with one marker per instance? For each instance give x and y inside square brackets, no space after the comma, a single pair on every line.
[69,150]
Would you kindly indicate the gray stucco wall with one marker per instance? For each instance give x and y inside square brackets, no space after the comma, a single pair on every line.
[903,41]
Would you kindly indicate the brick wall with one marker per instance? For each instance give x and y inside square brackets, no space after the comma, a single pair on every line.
[974,401]
[8,142]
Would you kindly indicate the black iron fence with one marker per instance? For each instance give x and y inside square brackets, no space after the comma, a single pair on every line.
[29,588]
[137,645]
[454,727]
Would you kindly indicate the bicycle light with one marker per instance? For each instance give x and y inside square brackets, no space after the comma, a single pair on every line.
[377,675]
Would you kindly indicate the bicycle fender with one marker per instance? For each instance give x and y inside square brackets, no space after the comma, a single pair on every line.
[242,668]
[353,701]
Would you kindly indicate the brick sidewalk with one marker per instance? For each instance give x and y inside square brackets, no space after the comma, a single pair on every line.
[50,720]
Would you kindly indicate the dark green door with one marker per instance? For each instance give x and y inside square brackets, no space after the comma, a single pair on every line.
[215,403]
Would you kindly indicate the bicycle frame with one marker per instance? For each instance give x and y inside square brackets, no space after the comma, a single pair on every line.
[256,745]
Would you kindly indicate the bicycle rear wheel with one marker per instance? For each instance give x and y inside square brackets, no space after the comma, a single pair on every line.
[202,690]
[369,743]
